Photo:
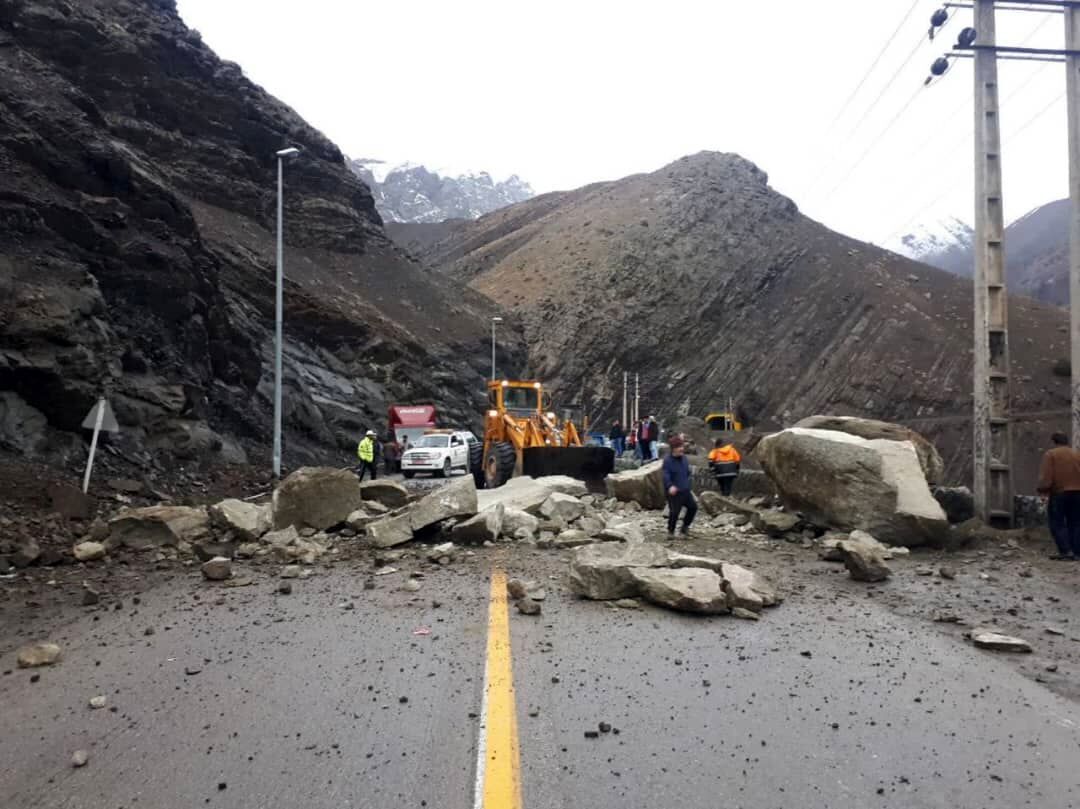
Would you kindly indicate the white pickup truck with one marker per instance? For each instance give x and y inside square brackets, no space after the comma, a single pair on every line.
[439,453]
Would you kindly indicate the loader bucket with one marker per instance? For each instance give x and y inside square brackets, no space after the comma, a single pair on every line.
[583,463]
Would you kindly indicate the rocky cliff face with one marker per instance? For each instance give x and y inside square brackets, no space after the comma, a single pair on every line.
[137,194]
[711,285]
[413,193]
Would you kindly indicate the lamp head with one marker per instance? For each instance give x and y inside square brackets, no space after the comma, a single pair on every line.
[292,151]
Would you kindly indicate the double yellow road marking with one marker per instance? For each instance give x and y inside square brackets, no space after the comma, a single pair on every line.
[498,763]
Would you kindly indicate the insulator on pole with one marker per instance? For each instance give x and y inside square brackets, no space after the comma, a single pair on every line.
[939,18]
[940,66]
[966,38]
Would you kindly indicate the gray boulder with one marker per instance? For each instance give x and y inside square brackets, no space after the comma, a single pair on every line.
[685,589]
[714,504]
[929,459]
[603,571]
[487,526]
[528,494]
[217,569]
[562,508]
[847,482]
[317,497]
[644,486]
[26,553]
[386,492]
[775,523]
[455,499]
[590,525]
[516,521]
[991,639]
[390,531]
[247,521]
[863,562]
[37,654]
[746,589]
[157,526]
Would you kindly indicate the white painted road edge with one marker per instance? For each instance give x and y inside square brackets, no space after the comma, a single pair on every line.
[481,740]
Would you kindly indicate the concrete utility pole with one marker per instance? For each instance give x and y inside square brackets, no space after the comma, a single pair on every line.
[1072,94]
[637,397]
[494,321]
[282,156]
[992,432]
[625,385]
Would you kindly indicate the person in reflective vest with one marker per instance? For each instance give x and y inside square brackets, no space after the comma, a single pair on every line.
[724,462]
[365,451]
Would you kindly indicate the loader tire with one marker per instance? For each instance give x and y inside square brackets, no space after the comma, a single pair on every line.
[476,463]
[499,464]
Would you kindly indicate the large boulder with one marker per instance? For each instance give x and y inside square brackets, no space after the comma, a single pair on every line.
[563,508]
[671,579]
[775,523]
[847,482]
[929,459]
[644,486]
[689,589]
[528,494]
[387,492]
[455,499]
[156,526]
[486,526]
[603,572]
[515,520]
[247,521]
[317,497]
[714,503]
[88,551]
[390,531]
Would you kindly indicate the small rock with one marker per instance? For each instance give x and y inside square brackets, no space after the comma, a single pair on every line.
[89,551]
[526,606]
[1052,668]
[411,586]
[947,572]
[988,639]
[1054,630]
[742,612]
[592,734]
[217,569]
[97,702]
[285,588]
[515,588]
[79,758]
[148,631]
[536,593]
[191,671]
[605,727]
[38,654]
[90,597]
[628,604]
[924,571]
[290,572]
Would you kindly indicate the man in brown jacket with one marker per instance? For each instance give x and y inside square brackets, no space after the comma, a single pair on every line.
[1059,479]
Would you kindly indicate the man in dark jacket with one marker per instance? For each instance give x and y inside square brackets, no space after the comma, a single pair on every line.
[677,487]
[1059,479]
[644,440]
[618,438]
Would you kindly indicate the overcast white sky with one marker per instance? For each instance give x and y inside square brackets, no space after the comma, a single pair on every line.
[567,93]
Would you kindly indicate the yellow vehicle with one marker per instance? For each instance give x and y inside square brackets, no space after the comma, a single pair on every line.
[723,420]
[523,437]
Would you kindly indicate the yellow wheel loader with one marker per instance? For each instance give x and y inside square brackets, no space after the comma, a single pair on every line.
[523,437]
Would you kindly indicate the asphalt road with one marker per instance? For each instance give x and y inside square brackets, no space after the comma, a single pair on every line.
[248,699]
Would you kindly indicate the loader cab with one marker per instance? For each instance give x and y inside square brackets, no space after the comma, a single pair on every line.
[519,399]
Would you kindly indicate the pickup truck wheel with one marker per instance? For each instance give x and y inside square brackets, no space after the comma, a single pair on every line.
[447,468]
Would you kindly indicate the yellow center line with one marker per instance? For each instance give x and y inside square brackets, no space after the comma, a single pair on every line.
[498,766]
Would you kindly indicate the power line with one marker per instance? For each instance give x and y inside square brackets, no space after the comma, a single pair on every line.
[873,66]
[949,186]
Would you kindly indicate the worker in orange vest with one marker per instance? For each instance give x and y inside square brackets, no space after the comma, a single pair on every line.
[724,462]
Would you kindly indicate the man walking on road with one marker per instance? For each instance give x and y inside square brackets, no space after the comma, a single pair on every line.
[654,438]
[677,487]
[1059,479]
[366,453]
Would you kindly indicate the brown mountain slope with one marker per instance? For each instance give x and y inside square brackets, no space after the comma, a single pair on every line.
[137,199]
[712,285]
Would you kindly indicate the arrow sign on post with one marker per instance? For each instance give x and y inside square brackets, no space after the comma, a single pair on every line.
[99,418]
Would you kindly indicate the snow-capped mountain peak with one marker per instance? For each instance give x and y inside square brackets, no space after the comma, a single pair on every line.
[943,243]
[411,192]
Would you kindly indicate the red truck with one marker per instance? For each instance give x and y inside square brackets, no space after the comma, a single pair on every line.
[409,422]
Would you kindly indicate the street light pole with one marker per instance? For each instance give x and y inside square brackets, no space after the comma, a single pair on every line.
[494,320]
[282,156]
